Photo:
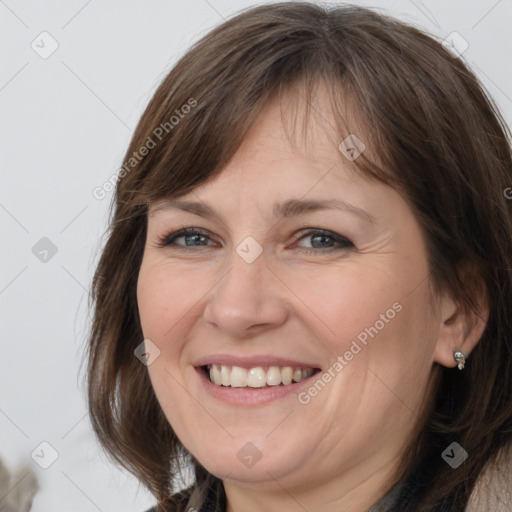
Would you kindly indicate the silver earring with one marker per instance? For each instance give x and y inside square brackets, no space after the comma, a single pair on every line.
[460,358]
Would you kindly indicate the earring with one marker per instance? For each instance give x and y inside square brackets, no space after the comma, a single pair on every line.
[460,358]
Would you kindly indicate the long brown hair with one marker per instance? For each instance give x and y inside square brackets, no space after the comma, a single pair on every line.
[434,135]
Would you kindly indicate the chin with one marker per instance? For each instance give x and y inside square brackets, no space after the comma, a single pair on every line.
[252,462]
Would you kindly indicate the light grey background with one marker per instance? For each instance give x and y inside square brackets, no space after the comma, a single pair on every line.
[65,124]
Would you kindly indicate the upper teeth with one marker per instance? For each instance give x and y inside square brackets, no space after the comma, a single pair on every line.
[257,377]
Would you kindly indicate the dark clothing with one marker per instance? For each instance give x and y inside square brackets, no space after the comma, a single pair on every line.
[395,499]
[214,501]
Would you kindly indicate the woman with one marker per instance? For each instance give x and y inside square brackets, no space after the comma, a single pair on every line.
[313,322]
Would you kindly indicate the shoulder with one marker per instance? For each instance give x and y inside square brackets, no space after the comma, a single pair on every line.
[493,489]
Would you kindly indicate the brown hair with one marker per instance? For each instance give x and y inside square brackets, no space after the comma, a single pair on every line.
[435,136]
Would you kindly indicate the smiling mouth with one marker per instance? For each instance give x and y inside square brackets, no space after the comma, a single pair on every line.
[257,377]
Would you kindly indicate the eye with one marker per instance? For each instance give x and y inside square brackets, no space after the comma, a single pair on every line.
[324,241]
[193,238]
[321,240]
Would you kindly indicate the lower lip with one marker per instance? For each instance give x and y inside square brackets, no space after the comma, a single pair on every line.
[247,395]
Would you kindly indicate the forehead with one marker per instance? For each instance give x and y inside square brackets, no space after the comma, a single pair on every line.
[311,122]
[292,141]
[290,153]
[270,176]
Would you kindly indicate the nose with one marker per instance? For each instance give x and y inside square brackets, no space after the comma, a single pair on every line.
[247,301]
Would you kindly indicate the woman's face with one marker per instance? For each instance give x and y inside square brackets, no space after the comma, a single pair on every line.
[299,266]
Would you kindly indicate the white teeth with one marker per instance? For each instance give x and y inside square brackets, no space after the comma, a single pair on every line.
[287,375]
[215,375]
[238,377]
[273,376]
[226,375]
[257,377]
[307,373]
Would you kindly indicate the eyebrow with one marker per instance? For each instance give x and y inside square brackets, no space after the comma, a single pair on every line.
[289,208]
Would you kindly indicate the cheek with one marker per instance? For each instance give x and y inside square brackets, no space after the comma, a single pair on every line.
[347,304]
[163,299]
[370,317]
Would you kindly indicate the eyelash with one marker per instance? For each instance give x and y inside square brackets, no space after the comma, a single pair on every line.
[168,239]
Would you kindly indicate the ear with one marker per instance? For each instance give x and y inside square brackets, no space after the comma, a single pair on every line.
[460,329]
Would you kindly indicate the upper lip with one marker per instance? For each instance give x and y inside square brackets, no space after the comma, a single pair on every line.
[251,361]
